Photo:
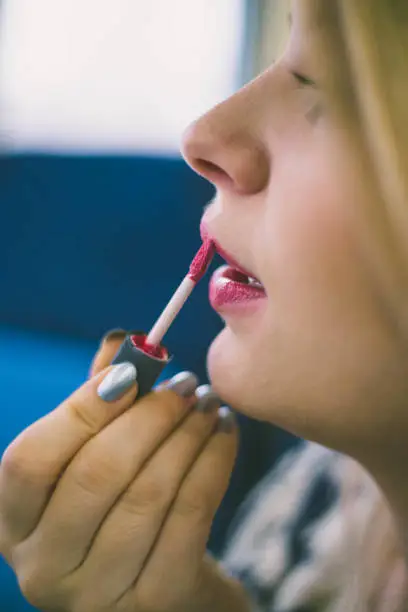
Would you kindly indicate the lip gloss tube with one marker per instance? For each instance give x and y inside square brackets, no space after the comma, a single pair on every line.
[146,352]
[149,361]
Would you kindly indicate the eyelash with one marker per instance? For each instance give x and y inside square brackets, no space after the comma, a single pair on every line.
[303,80]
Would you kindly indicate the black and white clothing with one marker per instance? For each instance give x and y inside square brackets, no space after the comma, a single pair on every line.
[287,541]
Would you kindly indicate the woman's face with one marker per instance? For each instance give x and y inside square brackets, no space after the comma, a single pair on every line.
[314,353]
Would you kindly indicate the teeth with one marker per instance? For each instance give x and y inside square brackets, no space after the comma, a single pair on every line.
[255,283]
[222,280]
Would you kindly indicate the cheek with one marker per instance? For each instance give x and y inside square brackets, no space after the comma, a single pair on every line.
[317,351]
[311,247]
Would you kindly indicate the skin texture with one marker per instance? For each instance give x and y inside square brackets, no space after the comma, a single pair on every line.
[320,357]
[323,356]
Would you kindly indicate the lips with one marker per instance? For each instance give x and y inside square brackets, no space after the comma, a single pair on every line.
[229,288]
[232,285]
[205,235]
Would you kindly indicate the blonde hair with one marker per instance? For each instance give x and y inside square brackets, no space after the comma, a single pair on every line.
[365,44]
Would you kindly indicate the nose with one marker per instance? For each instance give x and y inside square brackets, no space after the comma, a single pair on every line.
[223,146]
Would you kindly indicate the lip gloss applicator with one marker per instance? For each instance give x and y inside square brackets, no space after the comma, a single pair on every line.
[145,351]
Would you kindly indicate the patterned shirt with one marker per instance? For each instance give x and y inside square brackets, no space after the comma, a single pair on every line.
[287,543]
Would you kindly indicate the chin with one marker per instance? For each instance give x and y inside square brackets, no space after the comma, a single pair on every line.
[233,376]
[255,391]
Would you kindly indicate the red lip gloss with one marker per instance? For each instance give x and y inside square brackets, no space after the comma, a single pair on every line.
[231,288]
[145,351]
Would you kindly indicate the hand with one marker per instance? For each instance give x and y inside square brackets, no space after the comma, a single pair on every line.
[106,506]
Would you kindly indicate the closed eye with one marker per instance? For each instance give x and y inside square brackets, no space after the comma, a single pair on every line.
[303,80]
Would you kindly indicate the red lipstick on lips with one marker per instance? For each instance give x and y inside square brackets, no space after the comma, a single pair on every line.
[232,285]
[229,287]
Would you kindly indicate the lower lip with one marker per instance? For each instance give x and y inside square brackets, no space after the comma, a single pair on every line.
[227,293]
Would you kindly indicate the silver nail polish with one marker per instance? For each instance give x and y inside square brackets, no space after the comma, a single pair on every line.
[207,399]
[226,420]
[184,384]
[119,380]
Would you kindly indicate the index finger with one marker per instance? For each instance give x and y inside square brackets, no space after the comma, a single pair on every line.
[35,460]
[109,346]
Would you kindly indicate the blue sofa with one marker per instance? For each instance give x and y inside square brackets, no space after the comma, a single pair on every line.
[88,244]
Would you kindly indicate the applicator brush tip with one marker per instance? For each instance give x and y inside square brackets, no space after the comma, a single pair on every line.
[198,268]
[201,261]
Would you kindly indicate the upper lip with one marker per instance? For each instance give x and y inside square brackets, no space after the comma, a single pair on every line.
[231,261]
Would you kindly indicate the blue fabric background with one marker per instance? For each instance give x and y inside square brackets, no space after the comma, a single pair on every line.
[88,244]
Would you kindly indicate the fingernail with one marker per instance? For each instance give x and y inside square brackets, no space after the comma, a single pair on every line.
[114,334]
[226,420]
[184,384]
[117,382]
[207,399]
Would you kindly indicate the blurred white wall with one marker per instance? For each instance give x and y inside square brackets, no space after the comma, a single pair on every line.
[273,31]
[113,74]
